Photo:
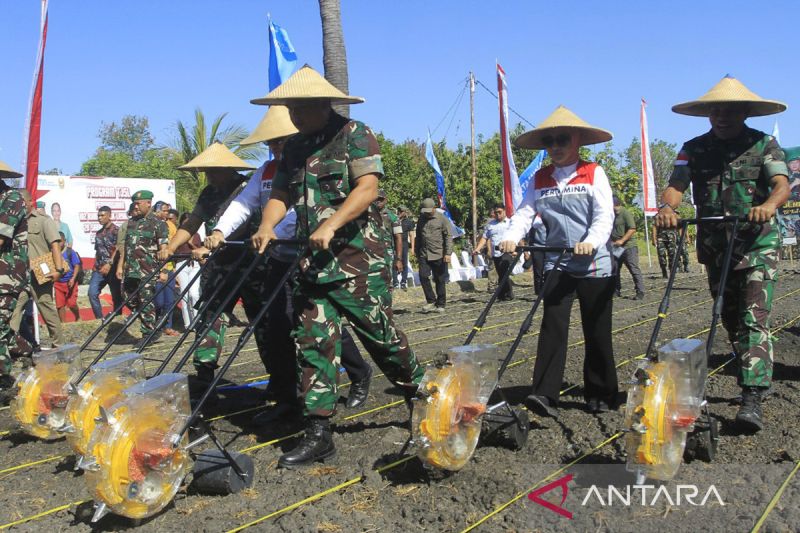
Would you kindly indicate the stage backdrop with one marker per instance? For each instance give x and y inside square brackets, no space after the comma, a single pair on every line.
[790,212]
[80,197]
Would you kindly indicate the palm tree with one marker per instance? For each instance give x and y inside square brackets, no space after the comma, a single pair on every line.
[334,56]
[191,141]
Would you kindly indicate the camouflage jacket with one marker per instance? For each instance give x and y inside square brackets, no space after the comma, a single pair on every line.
[391,223]
[212,203]
[728,178]
[144,236]
[318,172]
[105,243]
[14,269]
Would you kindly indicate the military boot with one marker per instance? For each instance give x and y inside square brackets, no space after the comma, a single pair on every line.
[750,416]
[359,392]
[664,272]
[316,445]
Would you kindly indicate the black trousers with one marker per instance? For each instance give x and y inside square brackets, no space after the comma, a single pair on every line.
[595,296]
[502,264]
[437,268]
[404,272]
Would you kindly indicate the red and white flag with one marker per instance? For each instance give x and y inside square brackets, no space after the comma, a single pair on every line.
[33,128]
[649,200]
[512,192]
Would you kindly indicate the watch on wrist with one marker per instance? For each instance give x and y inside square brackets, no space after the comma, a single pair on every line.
[665,204]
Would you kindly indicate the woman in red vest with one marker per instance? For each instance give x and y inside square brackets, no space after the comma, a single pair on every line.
[574,200]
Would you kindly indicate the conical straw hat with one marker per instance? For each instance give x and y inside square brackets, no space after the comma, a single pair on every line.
[729,90]
[306,84]
[275,124]
[8,172]
[562,118]
[216,156]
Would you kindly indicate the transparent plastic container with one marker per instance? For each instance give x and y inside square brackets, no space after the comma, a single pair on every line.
[446,423]
[690,357]
[136,461]
[102,387]
[41,401]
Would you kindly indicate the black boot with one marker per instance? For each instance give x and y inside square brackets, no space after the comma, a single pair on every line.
[359,391]
[7,390]
[750,417]
[316,445]
[664,272]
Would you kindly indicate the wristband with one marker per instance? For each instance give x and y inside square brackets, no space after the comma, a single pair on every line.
[665,204]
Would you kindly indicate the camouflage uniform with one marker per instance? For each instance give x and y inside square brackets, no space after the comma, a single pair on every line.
[144,237]
[210,205]
[14,272]
[350,279]
[666,242]
[391,223]
[730,177]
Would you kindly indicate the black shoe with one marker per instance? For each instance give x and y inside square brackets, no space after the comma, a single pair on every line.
[359,391]
[639,295]
[7,389]
[541,405]
[596,405]
[140,346]
[280,412]
[403,286]
[750,417]
[316,445]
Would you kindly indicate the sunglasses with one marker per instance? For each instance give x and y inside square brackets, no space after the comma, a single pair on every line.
[559,140]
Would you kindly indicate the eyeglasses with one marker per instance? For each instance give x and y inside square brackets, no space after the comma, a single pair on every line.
[561,140]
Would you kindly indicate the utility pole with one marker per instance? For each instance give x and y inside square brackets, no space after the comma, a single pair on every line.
[474,164]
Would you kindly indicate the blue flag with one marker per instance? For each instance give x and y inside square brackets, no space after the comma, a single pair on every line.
[431,157]
[282,57]
[536,164]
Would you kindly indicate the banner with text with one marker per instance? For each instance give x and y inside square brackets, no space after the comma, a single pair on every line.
[790,212]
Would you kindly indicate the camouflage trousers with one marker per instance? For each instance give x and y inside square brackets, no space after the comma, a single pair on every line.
[147,316]
[366,302]
[747,303]
[11,343]
[666,244]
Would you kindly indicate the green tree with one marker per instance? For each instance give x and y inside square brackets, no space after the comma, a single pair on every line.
[662,154]
[192,140]
[131,136]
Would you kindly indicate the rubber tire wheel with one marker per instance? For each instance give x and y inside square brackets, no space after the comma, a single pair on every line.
[707,446]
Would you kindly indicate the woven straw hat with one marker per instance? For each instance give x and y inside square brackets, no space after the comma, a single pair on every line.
[216,156]
[275,124]
[306,84]
[729,90]
[8,172]
[562,118]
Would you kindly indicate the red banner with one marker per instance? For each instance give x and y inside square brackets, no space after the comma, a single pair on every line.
[34,126]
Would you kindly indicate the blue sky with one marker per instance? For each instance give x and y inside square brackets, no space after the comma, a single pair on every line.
[408,58]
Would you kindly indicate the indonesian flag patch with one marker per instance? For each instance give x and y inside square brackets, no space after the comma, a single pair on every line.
[682,159]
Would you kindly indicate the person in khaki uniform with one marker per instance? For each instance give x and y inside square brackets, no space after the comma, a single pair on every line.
[43,237]
[433,247]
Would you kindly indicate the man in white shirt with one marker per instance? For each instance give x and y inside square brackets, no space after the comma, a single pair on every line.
[495,232]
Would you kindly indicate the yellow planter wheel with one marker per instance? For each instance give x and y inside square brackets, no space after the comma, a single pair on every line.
[132,467]
[41,400]
[446,425]
[656,439]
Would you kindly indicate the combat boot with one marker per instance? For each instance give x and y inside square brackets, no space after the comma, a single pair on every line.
[664,272]
[359,392]
[750,416]
[316,445]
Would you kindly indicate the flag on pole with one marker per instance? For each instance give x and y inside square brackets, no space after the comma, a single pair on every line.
[434,163]
[649,201]
[512,193]
[282,57]
[33,127]
[527,174]
[776,132]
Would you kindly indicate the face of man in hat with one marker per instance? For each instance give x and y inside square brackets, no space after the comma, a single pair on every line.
[562,146]
[727,120]
[142,207]
[310,116]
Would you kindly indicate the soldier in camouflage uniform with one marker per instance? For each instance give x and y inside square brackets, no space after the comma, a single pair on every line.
[736,170]
[14,276]
[330,173]
[394,232]
[146,235]
[666,242]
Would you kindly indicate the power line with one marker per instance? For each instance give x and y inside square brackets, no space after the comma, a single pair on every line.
[452,107]
[479,82]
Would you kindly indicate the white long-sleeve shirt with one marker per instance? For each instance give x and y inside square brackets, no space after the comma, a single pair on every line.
[602,207]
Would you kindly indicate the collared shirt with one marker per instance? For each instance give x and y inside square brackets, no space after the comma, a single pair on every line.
[495,231]
[42,232]
[434,240]
[623,221]
[105,243]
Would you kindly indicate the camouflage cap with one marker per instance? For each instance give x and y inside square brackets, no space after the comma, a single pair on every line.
[142,195]
[428,206]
